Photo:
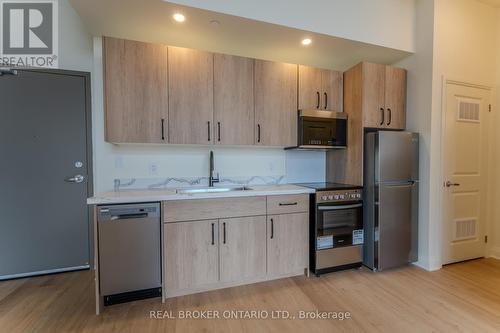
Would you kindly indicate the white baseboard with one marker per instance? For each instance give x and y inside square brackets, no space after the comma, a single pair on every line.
[494,252]
[427,266]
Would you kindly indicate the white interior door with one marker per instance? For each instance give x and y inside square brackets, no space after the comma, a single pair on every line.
[466,139]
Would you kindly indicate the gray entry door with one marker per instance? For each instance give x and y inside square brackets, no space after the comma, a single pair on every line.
[43,142]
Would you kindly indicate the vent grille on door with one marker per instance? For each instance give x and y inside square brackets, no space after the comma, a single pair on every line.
[465,229]
[468,110]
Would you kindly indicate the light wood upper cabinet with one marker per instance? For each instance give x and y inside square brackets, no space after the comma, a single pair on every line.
[242,248]
[373,95]
[287,243]
[191,254]
[310,88]
[332,87]
[383,96]
[234,115]
[319,89]
[395,97]
[275,103]
[135,91]
[190,77]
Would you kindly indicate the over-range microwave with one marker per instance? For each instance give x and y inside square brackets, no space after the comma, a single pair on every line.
[321,130]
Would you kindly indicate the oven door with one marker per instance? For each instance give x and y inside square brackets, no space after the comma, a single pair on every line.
[339,225]
[324,132]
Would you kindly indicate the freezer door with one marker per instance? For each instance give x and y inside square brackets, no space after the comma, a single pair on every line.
[397,224]
[397,158]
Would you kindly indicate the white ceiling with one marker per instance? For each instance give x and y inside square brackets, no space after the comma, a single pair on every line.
[151,21]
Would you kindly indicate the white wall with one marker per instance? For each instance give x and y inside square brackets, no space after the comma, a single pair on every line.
[459,40]
[75,44]
[387,23]
[419,106]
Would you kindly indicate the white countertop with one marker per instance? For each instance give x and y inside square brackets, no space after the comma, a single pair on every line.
[133,196]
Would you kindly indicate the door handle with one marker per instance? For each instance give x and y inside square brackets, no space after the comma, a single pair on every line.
[224,232]
[213,233]
[390,116]
[383,116]
[449,184]
[218,131]
[163,129]
[272,228]
[75,179]
[208,128]
[326,100]
[317,104]
[258,133]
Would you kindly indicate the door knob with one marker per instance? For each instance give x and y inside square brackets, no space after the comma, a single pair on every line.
[75,179]
[449,184]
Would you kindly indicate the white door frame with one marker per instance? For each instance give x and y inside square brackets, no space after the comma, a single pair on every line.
[489,190]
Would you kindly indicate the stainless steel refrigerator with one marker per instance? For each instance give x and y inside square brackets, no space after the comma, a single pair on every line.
[391,199]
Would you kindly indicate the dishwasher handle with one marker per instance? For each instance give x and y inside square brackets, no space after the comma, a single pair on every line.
[128,216]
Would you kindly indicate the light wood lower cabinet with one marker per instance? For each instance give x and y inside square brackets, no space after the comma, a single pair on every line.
[242,248]
[191,254]
[287,243]
[221,252]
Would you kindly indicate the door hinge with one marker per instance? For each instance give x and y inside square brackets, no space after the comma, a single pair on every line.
[489,107]
[486,239]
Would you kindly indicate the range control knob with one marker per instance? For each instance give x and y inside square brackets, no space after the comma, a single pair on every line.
[358,196]
[330,197]
[336,197]
[324,197]
[342,197]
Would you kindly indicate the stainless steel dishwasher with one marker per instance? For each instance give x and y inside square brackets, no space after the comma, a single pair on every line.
[129,252]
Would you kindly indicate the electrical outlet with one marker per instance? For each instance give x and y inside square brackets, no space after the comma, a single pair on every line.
[153,169]
[119,162]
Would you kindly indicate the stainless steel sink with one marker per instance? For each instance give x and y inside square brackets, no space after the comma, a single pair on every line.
[212,190]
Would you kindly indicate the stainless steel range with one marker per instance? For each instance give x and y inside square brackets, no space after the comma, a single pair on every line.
[336,227]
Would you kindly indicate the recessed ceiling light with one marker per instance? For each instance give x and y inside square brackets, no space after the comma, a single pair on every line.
[179,17]
[306,41]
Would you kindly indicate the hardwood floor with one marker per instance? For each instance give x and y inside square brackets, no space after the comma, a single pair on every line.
[463,297]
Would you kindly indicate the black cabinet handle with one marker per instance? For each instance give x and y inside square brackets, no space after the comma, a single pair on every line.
[326,100]
[390,116]
[224,232]
[383,116]
[208,127]
[272,228]
[258,132]
[162,129]
[317,104]
[218,131]
[213,233]
[288,203]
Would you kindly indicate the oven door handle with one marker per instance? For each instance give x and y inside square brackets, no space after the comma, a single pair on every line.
[339,207]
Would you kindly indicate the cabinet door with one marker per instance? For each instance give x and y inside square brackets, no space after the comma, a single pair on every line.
[191,254]
[234,114]
[242,248]
[135,91]
[310,89]
[275,103]
[331,88]
[395,97]
[373,91]
[287,243]
[190,77]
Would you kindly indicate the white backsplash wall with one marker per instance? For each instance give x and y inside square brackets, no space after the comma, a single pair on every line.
[148,165]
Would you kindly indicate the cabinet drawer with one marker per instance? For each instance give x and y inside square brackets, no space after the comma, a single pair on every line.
[283,204]
[206,209]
